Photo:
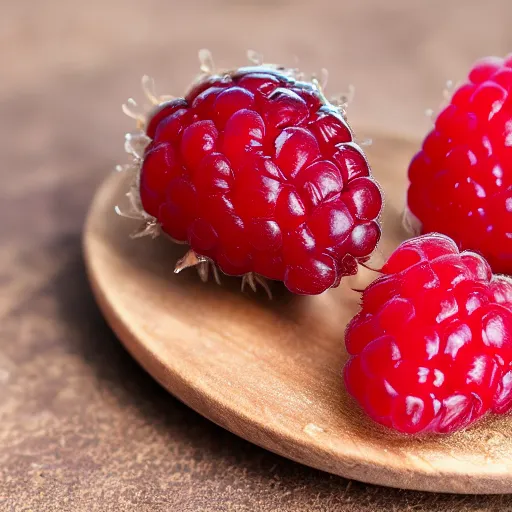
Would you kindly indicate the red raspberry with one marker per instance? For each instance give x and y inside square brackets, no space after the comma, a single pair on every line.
[260,175]
[431,349]
[461,180]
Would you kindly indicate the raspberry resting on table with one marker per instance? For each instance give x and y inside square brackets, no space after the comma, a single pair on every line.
[461,179]
[260,175]
[431,349]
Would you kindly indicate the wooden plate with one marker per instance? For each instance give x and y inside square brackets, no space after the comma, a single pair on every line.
[269,371]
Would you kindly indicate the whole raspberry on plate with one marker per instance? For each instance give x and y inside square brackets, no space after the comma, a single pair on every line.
[431,349]
[260,175]
[461,179]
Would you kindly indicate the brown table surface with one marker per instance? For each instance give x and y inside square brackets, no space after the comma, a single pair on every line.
[82,427]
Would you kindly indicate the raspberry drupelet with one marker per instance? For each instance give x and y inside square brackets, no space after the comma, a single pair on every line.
[260,175]
[431,349]
[461,179]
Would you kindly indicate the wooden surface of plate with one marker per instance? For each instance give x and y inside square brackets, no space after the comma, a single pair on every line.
[270,371]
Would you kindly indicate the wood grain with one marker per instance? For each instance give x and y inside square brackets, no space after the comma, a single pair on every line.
[270,371]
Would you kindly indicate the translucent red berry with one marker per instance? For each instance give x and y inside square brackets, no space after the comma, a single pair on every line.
[461,179]
[431,349]
[259,174]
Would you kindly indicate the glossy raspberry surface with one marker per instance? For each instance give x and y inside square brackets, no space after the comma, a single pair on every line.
[255,172]
[461,180]
[431,349]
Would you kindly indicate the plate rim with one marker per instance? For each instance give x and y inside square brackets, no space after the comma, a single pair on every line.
[427,478]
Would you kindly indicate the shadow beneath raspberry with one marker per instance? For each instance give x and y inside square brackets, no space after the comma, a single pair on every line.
[485,441]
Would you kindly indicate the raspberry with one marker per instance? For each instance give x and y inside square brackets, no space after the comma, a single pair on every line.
[461,179]
[259,174]
[431,348]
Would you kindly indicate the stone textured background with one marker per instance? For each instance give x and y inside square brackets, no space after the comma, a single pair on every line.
[82,427]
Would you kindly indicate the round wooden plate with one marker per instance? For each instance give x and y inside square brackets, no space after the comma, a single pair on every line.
[270,371]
